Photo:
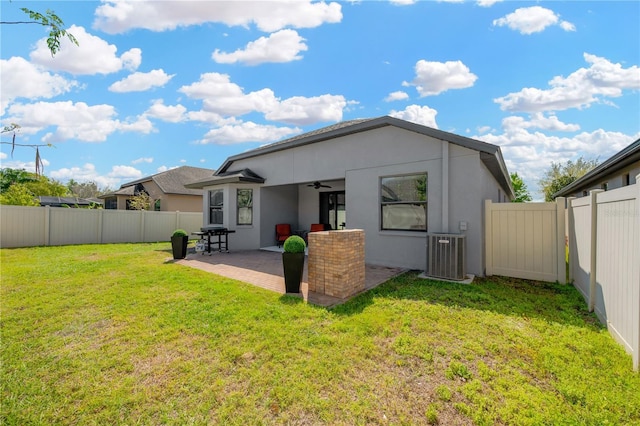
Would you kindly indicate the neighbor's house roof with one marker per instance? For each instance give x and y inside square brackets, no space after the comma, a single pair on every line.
[618,161]
[490,154]
[66,201]
[170,182]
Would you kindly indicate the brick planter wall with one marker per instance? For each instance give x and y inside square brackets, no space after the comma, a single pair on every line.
[336,262]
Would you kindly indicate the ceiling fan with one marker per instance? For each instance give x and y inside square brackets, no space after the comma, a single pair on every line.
[318,185]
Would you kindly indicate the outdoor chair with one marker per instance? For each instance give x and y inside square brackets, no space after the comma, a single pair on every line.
[283,231]
[315,227]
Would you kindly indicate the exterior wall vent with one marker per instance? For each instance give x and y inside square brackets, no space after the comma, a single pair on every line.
[446,256]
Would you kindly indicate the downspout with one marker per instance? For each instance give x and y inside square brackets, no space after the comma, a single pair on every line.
[445,186]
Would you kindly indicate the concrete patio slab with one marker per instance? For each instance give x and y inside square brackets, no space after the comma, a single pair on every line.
[264,269]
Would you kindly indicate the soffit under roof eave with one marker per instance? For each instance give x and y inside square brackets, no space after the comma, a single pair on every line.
[498,169]
[221,181]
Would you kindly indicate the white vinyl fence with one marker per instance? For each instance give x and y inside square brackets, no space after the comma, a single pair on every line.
[53,226]
[526,240]
[604,259]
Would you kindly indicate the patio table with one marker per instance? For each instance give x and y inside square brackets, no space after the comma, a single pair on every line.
[220,232]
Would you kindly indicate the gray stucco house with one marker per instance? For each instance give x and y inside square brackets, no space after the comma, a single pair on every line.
[394,179]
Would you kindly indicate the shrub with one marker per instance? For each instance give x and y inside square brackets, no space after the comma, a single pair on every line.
[179,233]
[294,244]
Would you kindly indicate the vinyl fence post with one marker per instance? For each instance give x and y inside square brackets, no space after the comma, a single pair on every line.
[594,248]
[141,236]
[571,236]
[99,226]
[561,273]
[47,223]
[488,243]
[636,349]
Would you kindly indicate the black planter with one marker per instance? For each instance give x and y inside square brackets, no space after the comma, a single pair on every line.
[179,246]
[293,264]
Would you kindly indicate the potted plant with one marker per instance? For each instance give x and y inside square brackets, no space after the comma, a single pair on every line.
[179,241]
[293,263]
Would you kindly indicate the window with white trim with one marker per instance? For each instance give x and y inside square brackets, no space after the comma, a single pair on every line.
[216,204]
[244,206]
[403,202]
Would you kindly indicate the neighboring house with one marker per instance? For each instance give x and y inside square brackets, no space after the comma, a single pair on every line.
[68,201]
[166,189]
[394,179]
[618,171]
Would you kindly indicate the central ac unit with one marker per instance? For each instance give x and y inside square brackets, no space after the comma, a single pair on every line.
[446,257]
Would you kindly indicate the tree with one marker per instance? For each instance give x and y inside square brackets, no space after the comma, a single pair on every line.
[520,189]
[85,189]
[9,177]
[51,20]
[561,175]
[18,195]
[21,188]
[141,201]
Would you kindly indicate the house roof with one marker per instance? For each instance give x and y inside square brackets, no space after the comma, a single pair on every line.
[618,161]
[490,154]
[244,175]
[170,182]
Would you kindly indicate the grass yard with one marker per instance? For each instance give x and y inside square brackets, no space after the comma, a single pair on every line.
[112,334]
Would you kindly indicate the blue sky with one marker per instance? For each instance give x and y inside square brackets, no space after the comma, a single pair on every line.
[160,84]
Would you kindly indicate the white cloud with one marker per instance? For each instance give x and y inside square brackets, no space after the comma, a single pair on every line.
[567,26]
[3,156]
[142,160]
[487,3]
[539,121]
[126,173]
[396,96]
[29,166]
[88,173]
[141,81]
[120,16]
[534,19]
[282,46]
[402,2]
[19,78]
[247,132]
[580,89]
[417,114]
[93,55]
[171,114]
[88,123]
[221,97]
[433,78]
[531,153]
[300,110]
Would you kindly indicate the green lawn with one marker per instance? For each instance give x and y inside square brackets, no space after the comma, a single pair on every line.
[112,334]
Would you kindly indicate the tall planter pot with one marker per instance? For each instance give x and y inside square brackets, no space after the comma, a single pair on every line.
[293,264]
[179,246]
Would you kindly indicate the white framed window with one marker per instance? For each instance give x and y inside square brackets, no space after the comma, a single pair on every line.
[244,199]
[403,202]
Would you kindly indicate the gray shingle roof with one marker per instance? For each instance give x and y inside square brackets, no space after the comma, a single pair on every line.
[173,181]
[490,154]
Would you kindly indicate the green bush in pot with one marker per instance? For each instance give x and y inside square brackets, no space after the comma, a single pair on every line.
[293,263]
[179,241]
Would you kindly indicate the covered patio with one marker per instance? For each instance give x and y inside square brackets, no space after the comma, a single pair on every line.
[263,268]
